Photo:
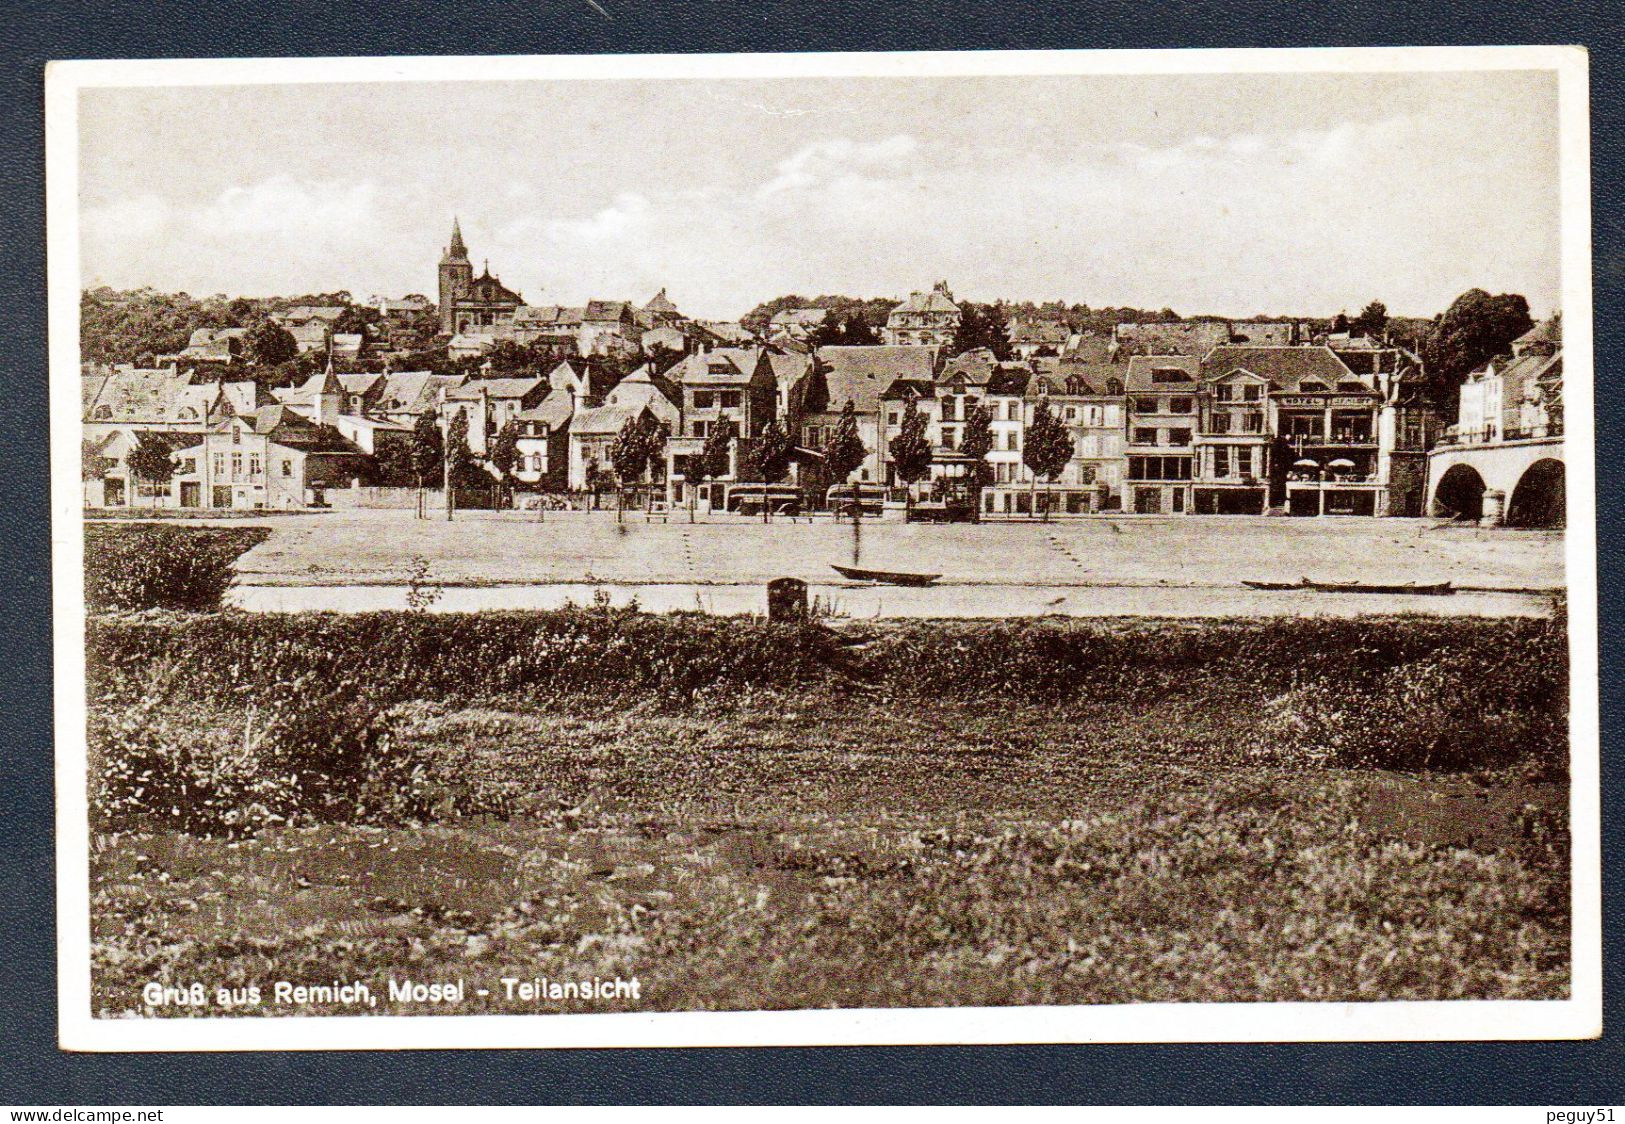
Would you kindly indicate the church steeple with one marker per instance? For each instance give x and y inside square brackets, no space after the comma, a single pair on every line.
[457,251]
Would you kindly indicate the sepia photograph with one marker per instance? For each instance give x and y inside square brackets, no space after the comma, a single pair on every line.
[744,549]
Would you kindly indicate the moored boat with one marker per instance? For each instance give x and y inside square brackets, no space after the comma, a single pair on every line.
[1429,589]
[888,577]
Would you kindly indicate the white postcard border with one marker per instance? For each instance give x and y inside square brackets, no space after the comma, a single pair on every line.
[1579,1016]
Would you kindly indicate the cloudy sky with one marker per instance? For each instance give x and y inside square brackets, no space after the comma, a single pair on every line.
[1225,194]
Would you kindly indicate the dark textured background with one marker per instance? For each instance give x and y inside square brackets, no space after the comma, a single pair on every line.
[33,1072]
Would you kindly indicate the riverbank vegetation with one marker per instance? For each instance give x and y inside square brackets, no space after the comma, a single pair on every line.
[751,815]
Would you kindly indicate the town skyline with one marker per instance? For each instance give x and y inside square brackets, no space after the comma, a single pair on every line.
[1179,191]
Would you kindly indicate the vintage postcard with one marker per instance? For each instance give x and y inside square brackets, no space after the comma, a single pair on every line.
[852,549]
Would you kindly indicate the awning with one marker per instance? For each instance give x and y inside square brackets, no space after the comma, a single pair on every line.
[1341,462]
[1306,463]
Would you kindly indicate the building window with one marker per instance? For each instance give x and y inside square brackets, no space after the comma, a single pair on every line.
[1179,437]
[253,464]
[701,429]
[220,464]
[287,468]
[1224,392]
[1179,405]
[236,465]
[1221,461]
[1145,435]
[1145,405]
[704,399]
[1250,392]
[236,435]
[1244,461]
[730,399]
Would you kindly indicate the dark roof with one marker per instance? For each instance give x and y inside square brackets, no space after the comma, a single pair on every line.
[1009,381]
[1286,368]
[1140,368]
[719,365]
[606,310]
[1039,332]
[494,388]
[934,301]
[556,409]
[861,375]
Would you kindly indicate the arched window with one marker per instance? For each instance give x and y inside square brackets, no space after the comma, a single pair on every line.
[1114,386]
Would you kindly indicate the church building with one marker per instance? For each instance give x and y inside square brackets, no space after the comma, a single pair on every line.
[470,304]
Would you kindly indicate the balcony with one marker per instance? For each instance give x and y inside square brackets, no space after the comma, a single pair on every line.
[1337,439]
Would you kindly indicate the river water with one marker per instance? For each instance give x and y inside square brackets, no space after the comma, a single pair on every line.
[870,601]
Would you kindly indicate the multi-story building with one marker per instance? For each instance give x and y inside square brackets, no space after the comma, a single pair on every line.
[1162,415]
[1324,421]
[272,459]
[1088,399]
[544,442]
[860,375]
[924,320]
[490,404]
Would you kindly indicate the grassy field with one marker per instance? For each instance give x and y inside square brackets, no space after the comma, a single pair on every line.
[742,817]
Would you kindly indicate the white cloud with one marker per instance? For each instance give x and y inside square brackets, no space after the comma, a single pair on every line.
[287,207]
[826,160]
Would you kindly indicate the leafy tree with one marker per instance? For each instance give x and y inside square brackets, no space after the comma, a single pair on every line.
[718,444]
[1475,328]
[1372,321]
[504,453]
[270,345]
[393,457]
[773,449]
[458,458]
[845,451]
[976,443]
[356,319]
[659,434]
[982,325]
[428,449]
[92,465]
[630,455]
[911,453]
[1047,449]
[150,459]
[1340,322]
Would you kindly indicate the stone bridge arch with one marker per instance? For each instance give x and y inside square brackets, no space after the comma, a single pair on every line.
[1501,469]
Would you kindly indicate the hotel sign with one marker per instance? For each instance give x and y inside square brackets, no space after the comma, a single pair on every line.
[1323,401]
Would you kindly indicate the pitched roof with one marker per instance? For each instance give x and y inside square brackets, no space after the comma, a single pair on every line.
[974,367]
[312,312]
[862,374]
[1039,332]
[286,427]
[548,314]
[600,420]
[719,365]
[135,395]
[1076,377]
[414,392]
[1549,330]
[1181,337]
[1009,380]
[1141,367]
[1286,368]
[934,301]
[360,383]
[556,410]
[606,310]
[660,302]
[493,388]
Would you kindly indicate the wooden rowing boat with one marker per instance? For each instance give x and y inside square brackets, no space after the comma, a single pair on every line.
[1433,589]
[888,577]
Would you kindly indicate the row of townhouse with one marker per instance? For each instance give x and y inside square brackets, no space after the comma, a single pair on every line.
[1240,428]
